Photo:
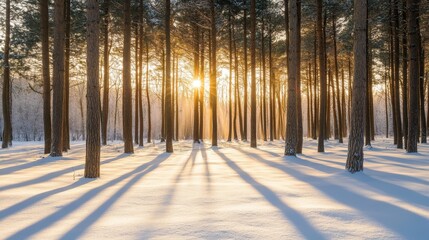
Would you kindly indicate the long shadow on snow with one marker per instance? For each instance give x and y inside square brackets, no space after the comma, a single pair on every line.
[417,225]
[300,222]
[76,231]
[37,198]
[37,163]
[53,175]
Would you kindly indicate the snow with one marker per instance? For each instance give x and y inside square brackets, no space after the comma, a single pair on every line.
[232,192]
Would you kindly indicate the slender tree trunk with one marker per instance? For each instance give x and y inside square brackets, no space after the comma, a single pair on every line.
[421,61]
[253,143]
[298,84]
[137,84]
[271,84]
[196,76]
[202,86]
[343,103]
[293,77]
[244,137]
[337,81]
[413,74]
[169,111]
[213,81]
[404,74]
[163,96]
[116,113]
[140,95]
[92,160]
[386,96]
[264,82]
[323,90]
[58,79]
[396,79]
[176,112]
[230,81]
[355,155]
[66,106]
[44,27]
[106,76]
[149,116]
[127,114]
[334,105]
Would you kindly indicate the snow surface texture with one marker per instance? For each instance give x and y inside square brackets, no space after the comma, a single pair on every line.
[233,192]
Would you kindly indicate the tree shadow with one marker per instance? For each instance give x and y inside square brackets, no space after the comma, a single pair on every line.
[53,175]
[367,206]
[37,163]
[299,221]
[79,229]
[39,197]
[206,167]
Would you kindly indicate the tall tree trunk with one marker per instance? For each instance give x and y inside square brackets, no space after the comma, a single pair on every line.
[404,74]
[337,81]
[58,79]
[202,86]
[169,111]
[92,160]
[44,27]
[343,103]
[213,81]
[66,100]
[163,95]
[230,80]
[176,112]
[386,96]
[196,76]
[293,76]
[264,82]
[298,84]
[106,76]
[323,90]
[140,102]
[334,105]
[396,79]
[271,84]
[355,155]
[369,90]
[413,74]
[244,137]
[149,116]
[422,86]
[127,115]
[136,86]
[253,143]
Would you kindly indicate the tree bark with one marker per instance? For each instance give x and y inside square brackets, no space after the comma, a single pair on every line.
[44,38]
[92,160]
[169,127]
[66,100]
[253,143]
[413,74]
[127,114]
[213,81]
[293,76]
[106,76]
[58,79]
[323,90]
[355,155]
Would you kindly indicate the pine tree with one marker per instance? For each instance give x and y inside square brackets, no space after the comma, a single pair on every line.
[355,155]
[92,160]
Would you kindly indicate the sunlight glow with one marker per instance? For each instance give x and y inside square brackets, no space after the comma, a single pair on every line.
[196,83]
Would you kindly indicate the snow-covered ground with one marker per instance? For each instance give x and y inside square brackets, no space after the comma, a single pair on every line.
[232,192]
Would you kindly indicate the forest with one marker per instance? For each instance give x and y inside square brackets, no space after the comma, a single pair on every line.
[285,83]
